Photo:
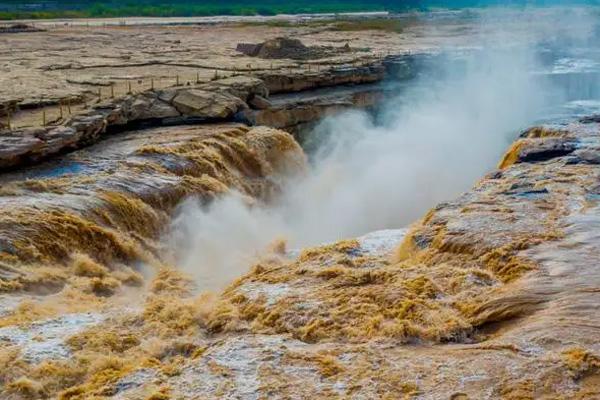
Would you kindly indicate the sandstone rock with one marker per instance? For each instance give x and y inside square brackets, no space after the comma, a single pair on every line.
[205,104]
[32,145]
[259,103]
[286,112]
[585,156]
[546,149]
[90,126]
[223,99]
[15,147]
[296,82]
[243,87]
[167,95]
[115,116]
[148,106]
[58,139]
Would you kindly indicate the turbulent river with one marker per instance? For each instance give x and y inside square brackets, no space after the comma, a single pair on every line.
[430,140]
[125,246]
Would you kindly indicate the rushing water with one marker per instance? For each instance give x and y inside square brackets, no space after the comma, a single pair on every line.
[434,137]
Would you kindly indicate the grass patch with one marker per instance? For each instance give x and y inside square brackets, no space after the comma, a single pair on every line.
[19,9]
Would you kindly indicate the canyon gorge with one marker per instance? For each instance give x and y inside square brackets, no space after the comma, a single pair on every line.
[295,207]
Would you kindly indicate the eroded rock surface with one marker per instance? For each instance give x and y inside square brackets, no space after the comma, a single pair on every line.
[489,296]
[110,203]
[229,99]
[212,102]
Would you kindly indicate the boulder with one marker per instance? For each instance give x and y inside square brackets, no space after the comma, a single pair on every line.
[244,87]
[259,103]
[90,125]
[14,147]
[205,104]
[590,119]
[546,149]
[57,139]
[148,106]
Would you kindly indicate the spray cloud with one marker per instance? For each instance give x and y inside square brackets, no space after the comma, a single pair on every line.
[428,144]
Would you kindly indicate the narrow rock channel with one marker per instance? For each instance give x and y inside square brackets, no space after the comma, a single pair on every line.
[422,226]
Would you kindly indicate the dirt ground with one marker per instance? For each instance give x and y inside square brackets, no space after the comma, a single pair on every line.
[77,64]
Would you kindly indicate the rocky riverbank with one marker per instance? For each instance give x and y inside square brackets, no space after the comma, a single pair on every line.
[112,202]
[488,296]
[239,98]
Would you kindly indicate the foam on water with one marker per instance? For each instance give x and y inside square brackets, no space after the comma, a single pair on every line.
[569,65]
[381,242]
[46,339]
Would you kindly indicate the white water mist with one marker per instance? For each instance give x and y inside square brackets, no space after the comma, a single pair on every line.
[430,143]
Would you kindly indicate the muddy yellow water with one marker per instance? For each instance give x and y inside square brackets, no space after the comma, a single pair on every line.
[490,296]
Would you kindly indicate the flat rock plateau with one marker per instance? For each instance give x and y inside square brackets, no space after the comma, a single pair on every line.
[107,129]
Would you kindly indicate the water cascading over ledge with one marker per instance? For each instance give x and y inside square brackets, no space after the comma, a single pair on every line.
[106,218]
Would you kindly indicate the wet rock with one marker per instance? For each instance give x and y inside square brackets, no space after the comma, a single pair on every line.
[547,149]
[118,195]
[590,119]
[527,190]
[585,156]
[259,103]
[15,148]
[381,242]
[543,132]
